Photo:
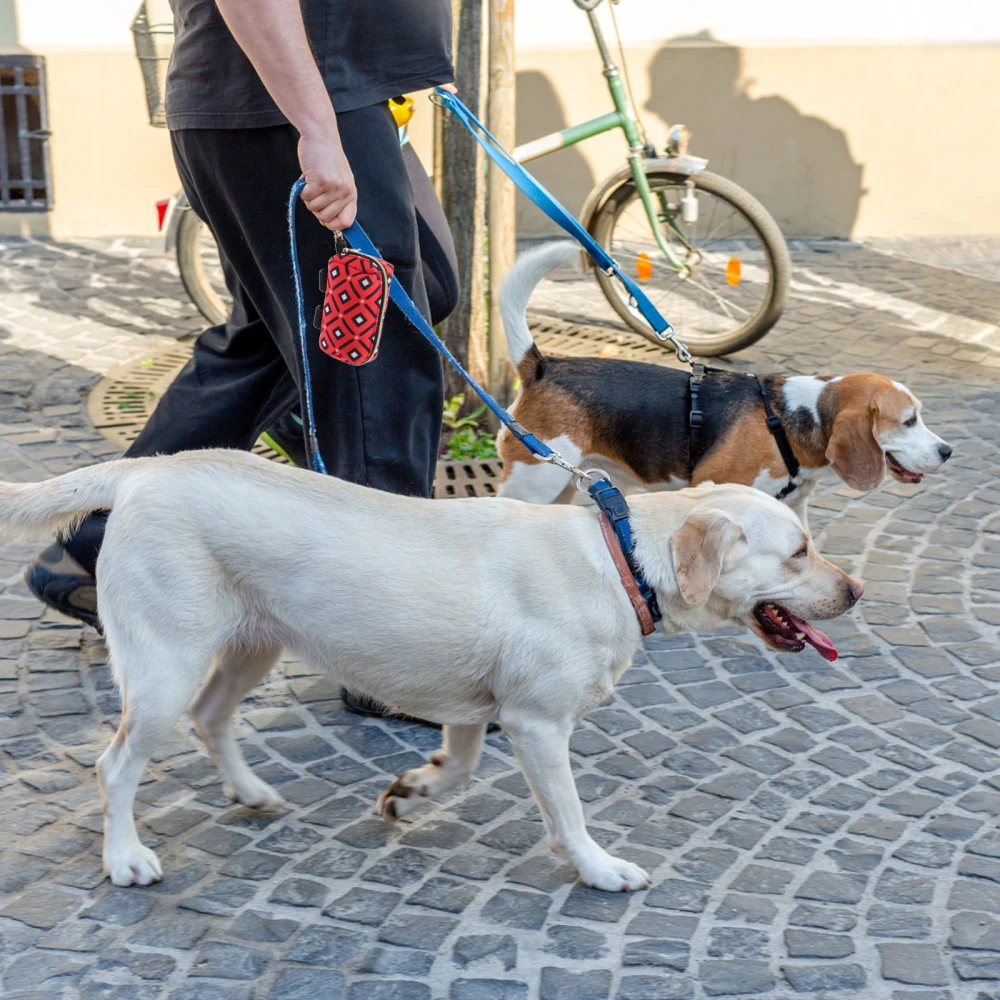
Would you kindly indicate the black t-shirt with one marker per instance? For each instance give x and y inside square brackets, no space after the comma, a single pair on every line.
[366,50]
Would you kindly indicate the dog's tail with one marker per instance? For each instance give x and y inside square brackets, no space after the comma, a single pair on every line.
[57,504]
[518,284]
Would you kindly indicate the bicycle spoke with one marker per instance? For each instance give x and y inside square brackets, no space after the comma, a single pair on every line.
[707,302]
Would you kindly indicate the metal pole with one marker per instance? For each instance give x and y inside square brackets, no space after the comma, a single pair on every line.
[501,209]
[463,191]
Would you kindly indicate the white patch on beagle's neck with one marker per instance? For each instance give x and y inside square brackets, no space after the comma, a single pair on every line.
[803,392]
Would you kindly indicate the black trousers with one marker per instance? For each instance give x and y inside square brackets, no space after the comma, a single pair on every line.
[377,425]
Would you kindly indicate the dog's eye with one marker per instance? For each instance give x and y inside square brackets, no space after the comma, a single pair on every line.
[803,552]
[912,422]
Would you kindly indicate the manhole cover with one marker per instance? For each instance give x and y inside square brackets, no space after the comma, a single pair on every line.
[121,403]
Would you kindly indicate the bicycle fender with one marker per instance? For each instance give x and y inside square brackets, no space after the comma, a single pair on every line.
[172,221]
[686,165]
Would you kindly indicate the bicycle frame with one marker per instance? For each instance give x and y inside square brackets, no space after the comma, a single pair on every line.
[622,117]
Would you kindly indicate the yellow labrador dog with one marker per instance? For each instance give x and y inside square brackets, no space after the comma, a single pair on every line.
[462,612]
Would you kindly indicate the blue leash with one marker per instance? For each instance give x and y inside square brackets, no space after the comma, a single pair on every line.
[358,239]
[608,497]
[559,215]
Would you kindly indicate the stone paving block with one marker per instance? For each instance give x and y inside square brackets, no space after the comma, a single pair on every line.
[655,988]
[898,922]
[515,908]
[675,894]
[762,878]
[219,960]
[926,853]
[834,978]
[815,944]
[977,931]
[914,964]
[910,804]
[121,906]
[735,978]
[487,989]
[951,827]
[825,917]
[665,954]
[560,984]
[714,758]
[831,887]
[572,942]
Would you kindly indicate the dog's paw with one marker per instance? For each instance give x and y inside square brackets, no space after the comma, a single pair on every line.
[612,874]
[136,866]
[254,793]
[397,800]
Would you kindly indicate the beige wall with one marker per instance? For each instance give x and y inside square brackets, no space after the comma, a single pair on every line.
[109,166]
[854,140]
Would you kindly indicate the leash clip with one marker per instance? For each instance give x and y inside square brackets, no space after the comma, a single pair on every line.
[589,474]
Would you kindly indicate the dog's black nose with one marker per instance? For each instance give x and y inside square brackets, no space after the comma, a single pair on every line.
[854,591]
[944,450]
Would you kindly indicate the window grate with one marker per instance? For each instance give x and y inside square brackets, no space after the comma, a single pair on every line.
[25,168]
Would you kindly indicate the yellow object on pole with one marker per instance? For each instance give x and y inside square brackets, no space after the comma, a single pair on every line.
[501,110]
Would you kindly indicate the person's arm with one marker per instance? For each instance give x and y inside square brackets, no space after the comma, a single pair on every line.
[272,35]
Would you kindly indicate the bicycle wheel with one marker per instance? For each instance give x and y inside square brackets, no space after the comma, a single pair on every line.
[201,272]
[738,260]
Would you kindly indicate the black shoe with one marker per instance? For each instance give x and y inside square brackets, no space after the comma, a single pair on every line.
[361,704]
[59,581]
[286,437]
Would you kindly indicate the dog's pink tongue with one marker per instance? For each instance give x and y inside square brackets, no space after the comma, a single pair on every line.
[820,641]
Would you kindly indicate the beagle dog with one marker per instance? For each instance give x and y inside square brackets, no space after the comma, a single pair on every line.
[631,418]
[462,613]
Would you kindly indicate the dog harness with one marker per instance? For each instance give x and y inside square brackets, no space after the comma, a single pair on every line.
[696,418]
[777,430]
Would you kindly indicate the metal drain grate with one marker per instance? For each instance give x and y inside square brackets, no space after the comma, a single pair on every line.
[559,336]
[121,403]
[467,479]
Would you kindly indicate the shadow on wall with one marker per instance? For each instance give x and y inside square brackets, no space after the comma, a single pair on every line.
[565,172]
[799,166]
[9,33]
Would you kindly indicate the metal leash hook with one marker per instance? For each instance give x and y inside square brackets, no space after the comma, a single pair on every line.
[589,474]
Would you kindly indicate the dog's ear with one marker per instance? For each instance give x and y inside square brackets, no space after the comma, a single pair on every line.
[699,549]
[853,449]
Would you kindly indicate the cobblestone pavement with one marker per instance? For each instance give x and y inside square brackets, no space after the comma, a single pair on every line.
[813,830]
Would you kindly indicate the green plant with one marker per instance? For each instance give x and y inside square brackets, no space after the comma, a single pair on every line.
[464,438]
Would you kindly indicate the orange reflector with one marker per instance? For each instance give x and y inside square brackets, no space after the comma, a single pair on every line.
[643,267]
[733,271]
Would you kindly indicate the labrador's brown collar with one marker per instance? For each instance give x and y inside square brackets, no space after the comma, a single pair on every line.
[639,605]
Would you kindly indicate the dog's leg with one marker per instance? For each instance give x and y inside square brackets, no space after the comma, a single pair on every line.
[452,764]
[234,673]
[800,501]
[542,748]
[155,690]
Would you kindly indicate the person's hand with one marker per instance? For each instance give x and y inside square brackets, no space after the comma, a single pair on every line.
[450,87]
[329,193]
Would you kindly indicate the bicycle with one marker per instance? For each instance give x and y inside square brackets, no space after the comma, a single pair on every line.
[719,275]
[711,258]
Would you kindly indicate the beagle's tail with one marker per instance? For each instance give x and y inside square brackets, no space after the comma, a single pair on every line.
[518,284]
[57,504]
